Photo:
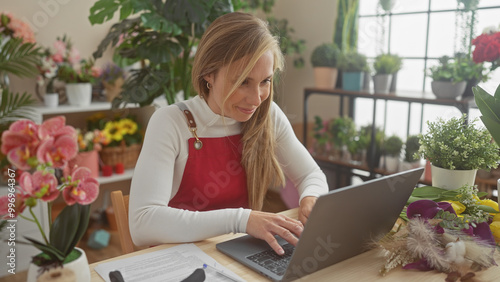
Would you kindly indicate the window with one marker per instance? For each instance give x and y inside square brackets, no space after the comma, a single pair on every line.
[420,32]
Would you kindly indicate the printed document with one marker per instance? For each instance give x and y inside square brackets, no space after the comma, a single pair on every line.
[172,264]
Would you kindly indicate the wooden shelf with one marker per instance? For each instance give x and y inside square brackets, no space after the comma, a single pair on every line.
[61,109]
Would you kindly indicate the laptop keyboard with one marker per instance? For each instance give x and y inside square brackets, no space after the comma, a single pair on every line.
[272,261]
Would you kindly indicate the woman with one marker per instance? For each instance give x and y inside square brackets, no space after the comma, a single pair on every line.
[207,163]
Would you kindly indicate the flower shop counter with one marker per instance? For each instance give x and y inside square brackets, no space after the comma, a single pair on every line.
[363,267]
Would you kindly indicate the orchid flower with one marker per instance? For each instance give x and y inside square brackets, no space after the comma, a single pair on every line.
[82,189]
[40,185]
[20,143]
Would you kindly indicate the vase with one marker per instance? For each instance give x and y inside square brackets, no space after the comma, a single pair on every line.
[113,89]
[382,83]
[352,81]
[79,94]
[79,266]
[452,179]
[88,159]
[51,100]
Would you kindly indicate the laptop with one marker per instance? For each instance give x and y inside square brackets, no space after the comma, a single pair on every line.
[339,227]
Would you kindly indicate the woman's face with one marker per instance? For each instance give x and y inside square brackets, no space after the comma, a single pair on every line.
[248,96]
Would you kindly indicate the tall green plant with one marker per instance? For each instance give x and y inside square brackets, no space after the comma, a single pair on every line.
[489,106]
[346,26]
[162,37]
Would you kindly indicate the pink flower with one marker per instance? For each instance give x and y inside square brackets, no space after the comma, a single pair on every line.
[20,143]
[74,56]
[58,58]
[57,151]
[19,205]
[60,47]
[83,189]
[40,185]
[55,127]
[96,71]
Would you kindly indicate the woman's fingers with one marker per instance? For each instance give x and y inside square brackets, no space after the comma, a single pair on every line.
[265,225]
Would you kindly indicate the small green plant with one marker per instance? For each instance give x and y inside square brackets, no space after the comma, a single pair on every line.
[325,55]
[393,146]
[387,64]
[352,61]
[343,131]
[86,73]
[445,71]
[411,147]
[458,145]
[467,69]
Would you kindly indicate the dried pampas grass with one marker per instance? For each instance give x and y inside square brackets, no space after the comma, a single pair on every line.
[424,242]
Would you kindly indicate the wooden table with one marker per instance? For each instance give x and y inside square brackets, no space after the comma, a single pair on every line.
[363,267]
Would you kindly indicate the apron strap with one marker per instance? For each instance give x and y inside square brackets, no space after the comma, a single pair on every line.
[191,124]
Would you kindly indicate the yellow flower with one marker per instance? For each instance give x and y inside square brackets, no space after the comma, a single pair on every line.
[495,229]
[112,131]
[457,206]
[128,126]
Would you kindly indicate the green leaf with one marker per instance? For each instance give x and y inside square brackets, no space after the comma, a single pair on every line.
[482,194]
[64,228]
[102,11]
[493,127]
[19,58]
[14,106]
[82,226]
[427,192]
[51,251]
[497,93]
[487,104]
[487,209]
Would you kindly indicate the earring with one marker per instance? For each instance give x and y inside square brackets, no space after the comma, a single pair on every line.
[209,86]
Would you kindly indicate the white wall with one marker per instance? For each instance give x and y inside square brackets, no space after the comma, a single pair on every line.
[313,21]
[52,18]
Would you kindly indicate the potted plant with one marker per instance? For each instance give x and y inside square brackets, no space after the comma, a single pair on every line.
[385,66]
[447,83]
[456,149]
[410,149]
[112,78]
[472,73]
[373,154]
[321,137]
[392,151]
[324,60]
[398,67]
[51,145]
[342,130]
[352,64]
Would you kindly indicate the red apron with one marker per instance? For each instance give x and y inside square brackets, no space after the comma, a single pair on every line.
[213,177]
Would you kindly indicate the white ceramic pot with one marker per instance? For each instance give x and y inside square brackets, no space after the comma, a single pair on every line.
[51,100]
[79,94]
[452,179]
[391,163]
[382,83]
[80,268]
[448,90]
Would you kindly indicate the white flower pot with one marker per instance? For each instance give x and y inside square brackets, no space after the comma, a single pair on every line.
[79,94]
[452,179]
[382,83]
[391,163]
[80,268]
[51,100]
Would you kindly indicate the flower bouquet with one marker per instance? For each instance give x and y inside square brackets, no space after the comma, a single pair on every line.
[112,78]
[487,47]
[451,231]
[122,137]
[37,151]
[12,27]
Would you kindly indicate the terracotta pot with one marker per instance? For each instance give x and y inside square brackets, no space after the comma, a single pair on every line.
[86,159]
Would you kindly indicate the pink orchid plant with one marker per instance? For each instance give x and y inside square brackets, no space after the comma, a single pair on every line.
[37,151]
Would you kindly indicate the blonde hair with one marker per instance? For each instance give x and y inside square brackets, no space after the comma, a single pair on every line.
[241,36]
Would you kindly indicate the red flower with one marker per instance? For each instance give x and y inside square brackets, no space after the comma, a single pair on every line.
[487,48]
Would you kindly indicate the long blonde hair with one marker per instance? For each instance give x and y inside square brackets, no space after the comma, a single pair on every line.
[241,36]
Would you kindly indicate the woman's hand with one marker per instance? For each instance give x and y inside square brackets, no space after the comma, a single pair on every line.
[265,225]
[305,208]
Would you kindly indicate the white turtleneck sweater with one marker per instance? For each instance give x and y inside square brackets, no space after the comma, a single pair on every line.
[161,164]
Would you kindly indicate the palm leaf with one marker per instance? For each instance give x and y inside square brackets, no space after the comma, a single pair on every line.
[15,106]
[19,58]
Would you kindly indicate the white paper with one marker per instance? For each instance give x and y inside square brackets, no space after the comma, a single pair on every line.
[172,264]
